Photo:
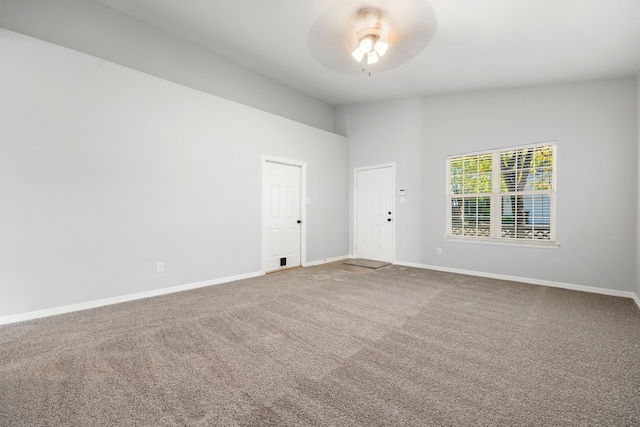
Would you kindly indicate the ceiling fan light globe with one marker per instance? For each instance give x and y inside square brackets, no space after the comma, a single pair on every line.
[358,54]
[372,57]
[381,47]
[366,45]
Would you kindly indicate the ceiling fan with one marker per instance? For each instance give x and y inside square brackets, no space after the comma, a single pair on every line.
[368,30]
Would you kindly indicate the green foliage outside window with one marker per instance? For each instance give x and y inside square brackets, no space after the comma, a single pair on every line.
[525,177]
[471,174]
[526,169]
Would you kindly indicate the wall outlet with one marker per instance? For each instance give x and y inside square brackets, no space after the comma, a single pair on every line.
[438,251]
[160,267]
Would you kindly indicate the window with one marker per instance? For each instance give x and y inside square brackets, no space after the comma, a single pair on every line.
[505,195]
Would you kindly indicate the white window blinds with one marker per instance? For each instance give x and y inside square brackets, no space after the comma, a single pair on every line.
[506,194]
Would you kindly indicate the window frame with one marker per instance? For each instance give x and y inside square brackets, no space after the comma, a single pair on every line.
[495,236]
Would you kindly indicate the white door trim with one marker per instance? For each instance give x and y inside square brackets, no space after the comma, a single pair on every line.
[303,206]
[393,206]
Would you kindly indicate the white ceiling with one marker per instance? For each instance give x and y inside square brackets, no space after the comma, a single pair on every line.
[478,44]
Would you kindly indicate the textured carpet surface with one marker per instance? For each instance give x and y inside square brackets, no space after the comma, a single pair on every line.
[332,345]
[366,263]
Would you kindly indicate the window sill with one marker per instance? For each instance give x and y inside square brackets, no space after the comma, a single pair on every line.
[504,242]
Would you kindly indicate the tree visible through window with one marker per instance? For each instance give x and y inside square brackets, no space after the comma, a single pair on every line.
[502,194]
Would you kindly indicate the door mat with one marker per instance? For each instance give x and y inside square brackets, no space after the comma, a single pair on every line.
[366,263]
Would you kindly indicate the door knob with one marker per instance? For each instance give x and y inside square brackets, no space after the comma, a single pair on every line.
[389,219]
[299,221]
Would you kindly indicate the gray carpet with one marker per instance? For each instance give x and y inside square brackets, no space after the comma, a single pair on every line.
[331,346]
[366,263]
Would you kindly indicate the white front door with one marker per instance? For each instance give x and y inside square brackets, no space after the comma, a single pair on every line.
[282,217]
[374,214]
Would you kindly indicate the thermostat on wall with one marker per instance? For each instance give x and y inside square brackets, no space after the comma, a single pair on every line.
[402,192]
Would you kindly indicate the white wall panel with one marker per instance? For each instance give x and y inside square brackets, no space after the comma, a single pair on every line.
[93,28]
[595,126]
[638,191]
[391,132]
[105,171]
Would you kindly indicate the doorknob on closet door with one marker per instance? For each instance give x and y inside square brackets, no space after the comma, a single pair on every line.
[299,221]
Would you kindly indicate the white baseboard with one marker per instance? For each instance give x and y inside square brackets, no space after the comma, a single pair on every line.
[593,290]
[325,261]
[157,292]
[124,298]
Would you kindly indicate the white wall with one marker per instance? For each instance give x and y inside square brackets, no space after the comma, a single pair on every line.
[105,171]
[638,193]
[594,125]
[90,27]
[391,132]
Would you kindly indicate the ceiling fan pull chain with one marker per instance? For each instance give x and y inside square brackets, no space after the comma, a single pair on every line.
[366,67]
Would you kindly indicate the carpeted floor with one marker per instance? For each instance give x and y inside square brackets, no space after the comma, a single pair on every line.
[332,345]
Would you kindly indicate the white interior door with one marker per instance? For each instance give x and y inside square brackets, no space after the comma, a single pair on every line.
[374,214]
[282,215]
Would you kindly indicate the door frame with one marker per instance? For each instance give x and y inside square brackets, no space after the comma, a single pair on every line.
[303,206]
[392,165]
